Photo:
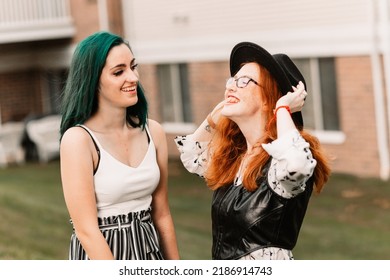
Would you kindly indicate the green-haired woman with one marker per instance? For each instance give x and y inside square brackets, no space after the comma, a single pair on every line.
[113,158]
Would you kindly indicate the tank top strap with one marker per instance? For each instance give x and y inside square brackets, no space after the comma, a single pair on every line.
[95,142]
[148,134]
[94,138]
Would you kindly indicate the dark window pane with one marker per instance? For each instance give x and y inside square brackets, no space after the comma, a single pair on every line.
[174,91]
[329,94]
[185,93]
[165,87]
[308,110]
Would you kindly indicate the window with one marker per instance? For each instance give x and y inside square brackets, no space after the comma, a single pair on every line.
[321,111]
[174,90]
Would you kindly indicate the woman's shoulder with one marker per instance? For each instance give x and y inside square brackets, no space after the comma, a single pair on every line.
[75,135]
[155,127]
[157,131]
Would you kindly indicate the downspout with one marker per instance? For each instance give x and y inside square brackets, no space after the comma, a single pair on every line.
[379,96]
[128,20]
[103,15]
[384,8]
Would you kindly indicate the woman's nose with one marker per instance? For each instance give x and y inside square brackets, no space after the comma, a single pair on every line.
[230,86]
[132,76]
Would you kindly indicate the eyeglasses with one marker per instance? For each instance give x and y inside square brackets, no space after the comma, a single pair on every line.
[241,82]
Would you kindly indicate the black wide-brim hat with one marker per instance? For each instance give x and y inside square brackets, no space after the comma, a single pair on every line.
[280,66]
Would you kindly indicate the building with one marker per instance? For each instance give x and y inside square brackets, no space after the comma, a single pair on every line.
[183,47]
[37,39]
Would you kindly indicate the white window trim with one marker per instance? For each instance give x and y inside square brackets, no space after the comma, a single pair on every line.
[179,128]
[329,137]
[317,102]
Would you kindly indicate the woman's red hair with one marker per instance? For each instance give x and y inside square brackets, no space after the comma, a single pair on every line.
[229,146]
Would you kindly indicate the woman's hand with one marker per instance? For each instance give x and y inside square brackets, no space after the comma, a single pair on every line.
[295,100]
[217,109]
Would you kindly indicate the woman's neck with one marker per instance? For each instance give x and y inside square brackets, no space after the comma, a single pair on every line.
[252,132]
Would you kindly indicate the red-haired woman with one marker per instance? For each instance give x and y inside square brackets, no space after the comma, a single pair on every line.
[256,157]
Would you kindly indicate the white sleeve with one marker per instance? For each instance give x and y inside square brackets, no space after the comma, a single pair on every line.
[193,154]
[292,164]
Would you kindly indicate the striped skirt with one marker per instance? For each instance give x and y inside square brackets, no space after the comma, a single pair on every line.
[130,237]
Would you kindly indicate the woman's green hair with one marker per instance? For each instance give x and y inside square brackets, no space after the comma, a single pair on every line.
[80,93]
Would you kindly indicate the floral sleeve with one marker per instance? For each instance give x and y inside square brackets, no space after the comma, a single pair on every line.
[292,164]
[193,154]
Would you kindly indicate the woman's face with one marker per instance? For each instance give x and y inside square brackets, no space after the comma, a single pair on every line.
[119,78]
[243,96]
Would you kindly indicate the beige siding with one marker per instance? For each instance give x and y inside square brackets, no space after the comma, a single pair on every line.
[202,30]
[175,18]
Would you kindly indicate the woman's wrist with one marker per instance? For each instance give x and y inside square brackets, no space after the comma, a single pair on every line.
[275,111]
[286,107]
[210,121]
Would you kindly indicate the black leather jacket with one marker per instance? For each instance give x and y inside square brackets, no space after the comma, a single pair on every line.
[243,222]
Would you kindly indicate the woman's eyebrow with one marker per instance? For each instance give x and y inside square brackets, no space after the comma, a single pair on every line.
[123,64]
[119,65]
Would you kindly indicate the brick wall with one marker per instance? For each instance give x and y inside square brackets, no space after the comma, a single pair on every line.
[207,86]
[149,81]
[85,16]
[115,19]
[359,154]
[20,95]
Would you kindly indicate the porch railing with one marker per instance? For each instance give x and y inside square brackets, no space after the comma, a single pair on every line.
[25,20]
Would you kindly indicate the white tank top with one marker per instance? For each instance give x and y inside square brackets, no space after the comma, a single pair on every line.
[120,188]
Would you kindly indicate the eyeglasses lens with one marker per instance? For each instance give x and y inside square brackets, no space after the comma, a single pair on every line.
[240,82]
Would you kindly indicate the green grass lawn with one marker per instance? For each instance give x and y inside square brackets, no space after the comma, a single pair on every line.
[350,219]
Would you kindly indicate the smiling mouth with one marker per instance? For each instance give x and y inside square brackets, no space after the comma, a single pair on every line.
[232,99]
[129,89]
